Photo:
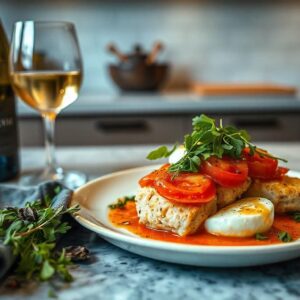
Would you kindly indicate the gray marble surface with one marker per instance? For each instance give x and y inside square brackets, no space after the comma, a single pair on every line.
[113,273]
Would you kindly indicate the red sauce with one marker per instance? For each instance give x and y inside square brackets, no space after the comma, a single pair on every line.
[127,218]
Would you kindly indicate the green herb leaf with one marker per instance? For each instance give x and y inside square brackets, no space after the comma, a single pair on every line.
[188,142]
[47,271]
[284,236]
[57,190]
[31,232]
[161,152]
[121,202]
[260,236]
[296,217]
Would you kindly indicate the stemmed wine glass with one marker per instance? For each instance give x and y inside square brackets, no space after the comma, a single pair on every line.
[46,73]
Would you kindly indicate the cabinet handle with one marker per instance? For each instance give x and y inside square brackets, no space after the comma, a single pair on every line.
[122,126]
[263,123]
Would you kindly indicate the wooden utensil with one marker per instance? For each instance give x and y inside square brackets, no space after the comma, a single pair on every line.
[215,89]
[157,47]
[114,50]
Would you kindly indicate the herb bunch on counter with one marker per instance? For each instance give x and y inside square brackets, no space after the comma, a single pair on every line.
[32,232]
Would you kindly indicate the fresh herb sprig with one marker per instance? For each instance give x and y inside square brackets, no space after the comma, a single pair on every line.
[206,140]
[31,232]
[284,236]
[121,202]
[296,216]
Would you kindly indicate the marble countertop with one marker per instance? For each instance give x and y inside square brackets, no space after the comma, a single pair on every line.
[114,274]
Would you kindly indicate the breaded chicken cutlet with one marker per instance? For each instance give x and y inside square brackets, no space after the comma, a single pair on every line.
[226,196]
[284,193]
[156,212]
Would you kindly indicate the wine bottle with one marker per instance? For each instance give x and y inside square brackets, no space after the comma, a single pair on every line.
[9,154]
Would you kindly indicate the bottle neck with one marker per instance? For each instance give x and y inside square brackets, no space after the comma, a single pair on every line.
[4,55]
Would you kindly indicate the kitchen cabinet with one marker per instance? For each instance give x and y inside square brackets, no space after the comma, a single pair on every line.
[105,131]
[118,130]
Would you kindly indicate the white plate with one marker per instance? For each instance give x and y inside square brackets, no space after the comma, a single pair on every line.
[95,196]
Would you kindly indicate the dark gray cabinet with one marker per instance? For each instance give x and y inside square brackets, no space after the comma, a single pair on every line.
[86,130]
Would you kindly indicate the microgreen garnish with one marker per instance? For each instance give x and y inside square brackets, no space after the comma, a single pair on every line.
[296,216]
[284,236]
[161,152]
[31,232]
[260,236]
[206,140]
[121,202]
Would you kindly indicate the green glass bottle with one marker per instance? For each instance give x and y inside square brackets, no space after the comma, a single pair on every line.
[9,154]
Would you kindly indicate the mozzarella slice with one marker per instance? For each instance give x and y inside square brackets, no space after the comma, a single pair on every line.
[177,154]
[243,218]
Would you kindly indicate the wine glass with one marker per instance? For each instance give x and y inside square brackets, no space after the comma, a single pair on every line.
[46,73]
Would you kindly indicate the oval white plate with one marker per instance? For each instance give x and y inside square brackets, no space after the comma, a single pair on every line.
[95,196]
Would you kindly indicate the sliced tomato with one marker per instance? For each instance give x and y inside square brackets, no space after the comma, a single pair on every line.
[260,166]
[186,188]
[149,179]
[226,172]
[280,172]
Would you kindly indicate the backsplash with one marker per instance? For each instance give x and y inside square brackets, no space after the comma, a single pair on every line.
[215,41]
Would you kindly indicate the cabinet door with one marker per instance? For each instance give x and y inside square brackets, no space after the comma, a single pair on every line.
[262,128]
[105,131]
[31,132]
[116,131]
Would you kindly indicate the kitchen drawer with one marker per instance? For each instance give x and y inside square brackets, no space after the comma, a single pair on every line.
[106,131]
[269,128]
[31,132]
[152,130]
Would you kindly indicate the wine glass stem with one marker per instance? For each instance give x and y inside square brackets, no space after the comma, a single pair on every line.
[49,125]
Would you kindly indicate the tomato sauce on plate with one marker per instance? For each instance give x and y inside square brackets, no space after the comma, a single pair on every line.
[127,218]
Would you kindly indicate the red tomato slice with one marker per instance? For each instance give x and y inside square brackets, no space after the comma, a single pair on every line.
[186,188]
[226,172]
[260,167]
[149,179]
[280,172]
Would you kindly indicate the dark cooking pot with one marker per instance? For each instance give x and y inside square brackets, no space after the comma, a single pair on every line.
[138,71]
[140,78]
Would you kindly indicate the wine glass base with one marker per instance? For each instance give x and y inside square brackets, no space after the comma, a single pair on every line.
[71,179]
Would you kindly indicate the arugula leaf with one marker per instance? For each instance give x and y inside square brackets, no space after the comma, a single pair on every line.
[203,122]
[161,152]
[188,142]
[284,236]
[206,140]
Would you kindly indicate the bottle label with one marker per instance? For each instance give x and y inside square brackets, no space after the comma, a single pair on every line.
[8,126]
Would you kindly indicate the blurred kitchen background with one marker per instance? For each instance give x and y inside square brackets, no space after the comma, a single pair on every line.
[204,42]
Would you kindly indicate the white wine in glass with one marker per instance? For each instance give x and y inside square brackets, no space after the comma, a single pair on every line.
[48,92]
[46,73]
